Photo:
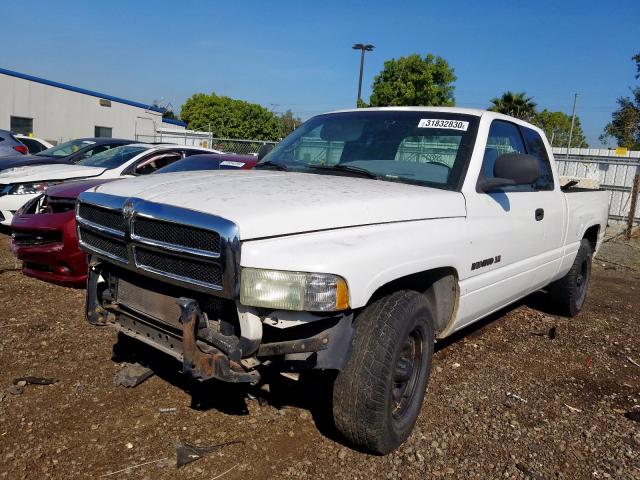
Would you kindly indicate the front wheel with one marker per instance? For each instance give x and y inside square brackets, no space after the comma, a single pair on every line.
[570,292]
[378,395]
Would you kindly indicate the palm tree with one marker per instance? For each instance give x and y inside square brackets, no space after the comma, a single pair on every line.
[515,104]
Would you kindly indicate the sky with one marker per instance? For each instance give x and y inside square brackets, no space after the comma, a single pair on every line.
[297,55]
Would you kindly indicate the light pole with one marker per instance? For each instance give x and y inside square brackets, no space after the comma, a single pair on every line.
[363,48]
[573,119]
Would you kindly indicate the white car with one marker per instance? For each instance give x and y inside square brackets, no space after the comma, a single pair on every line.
[360,240]
[35,145]
[21,184]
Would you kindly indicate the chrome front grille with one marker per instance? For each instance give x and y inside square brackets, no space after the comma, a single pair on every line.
[179,246]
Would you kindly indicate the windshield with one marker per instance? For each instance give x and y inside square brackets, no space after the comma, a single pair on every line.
[65,149]
[425,148]
[113,157]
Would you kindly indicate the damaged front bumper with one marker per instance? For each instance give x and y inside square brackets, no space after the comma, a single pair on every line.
[213,342]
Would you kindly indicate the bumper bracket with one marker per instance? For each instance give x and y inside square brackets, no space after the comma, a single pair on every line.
[204,361]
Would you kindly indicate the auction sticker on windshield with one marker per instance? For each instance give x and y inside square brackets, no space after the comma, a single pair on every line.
[443,123]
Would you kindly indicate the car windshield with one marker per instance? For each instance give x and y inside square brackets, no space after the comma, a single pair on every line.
[202,163]
[113,157]
[418,147]
[65,149]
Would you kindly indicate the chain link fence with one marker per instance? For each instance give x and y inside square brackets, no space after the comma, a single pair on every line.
[206,140]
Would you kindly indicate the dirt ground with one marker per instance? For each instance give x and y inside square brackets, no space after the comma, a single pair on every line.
[505,399]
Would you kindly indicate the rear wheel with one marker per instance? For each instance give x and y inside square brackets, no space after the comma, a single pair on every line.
[378,395]
[570,291]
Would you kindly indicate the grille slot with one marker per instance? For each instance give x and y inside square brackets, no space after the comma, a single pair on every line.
[105,245]
[187,269]
[104,217]
[178,235]
[22,237]
[60,205]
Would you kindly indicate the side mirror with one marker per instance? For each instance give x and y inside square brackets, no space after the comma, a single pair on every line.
[264,149]
[512,169]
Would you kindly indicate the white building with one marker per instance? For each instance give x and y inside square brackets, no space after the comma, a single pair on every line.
[58,112]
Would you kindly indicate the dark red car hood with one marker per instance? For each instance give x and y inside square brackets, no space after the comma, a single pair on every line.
[73,189]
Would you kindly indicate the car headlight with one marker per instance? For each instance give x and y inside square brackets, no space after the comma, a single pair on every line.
[311,292]
[28,188]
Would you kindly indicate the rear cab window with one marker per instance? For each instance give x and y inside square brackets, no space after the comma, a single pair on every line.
[535,147]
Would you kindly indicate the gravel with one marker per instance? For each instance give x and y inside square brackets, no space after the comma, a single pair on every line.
[506,399]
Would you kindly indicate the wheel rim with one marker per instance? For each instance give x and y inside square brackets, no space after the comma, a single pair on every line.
[582,280]
[406,373]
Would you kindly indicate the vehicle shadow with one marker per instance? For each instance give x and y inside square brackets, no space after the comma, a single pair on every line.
[539,301]
[313,390]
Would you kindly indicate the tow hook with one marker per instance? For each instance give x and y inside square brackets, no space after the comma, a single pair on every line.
[203,361]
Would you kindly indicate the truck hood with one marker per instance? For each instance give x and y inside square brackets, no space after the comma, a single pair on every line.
[39,173]
[268,203]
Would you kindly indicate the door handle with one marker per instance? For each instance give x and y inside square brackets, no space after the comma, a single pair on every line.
[539,214]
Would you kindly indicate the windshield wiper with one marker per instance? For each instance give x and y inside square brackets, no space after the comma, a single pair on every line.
[274,165]
[346,168]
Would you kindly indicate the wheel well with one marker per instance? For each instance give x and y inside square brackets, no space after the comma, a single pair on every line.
[592,235]
[439,285]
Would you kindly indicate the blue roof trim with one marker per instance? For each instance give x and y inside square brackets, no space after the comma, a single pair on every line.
[174,122]
[84,91]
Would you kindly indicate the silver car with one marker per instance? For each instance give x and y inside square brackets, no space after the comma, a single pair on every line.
[9,145]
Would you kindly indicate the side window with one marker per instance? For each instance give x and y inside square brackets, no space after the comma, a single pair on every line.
[504,137]
[535,147]
[188,153]
[155,162]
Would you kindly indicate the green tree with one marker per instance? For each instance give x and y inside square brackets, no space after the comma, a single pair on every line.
[230,118]
[414,80]
[288,122]
[625,121]
[515,104]
[557,125]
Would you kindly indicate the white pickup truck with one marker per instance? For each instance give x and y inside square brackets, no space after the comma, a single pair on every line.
[355,244]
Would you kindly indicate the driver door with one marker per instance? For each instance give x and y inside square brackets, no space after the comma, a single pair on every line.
[506,234]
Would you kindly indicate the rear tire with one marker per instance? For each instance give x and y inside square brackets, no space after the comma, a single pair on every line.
[378,395]
[570,292]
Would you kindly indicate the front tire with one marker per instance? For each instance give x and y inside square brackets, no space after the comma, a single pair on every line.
[570,292]
[378,395]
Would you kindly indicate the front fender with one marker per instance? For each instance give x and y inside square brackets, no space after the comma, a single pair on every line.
[367,257]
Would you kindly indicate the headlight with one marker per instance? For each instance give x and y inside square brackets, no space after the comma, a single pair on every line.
[311,292]
[28,188]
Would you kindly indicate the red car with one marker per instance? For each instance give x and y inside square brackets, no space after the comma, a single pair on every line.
[44,230]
